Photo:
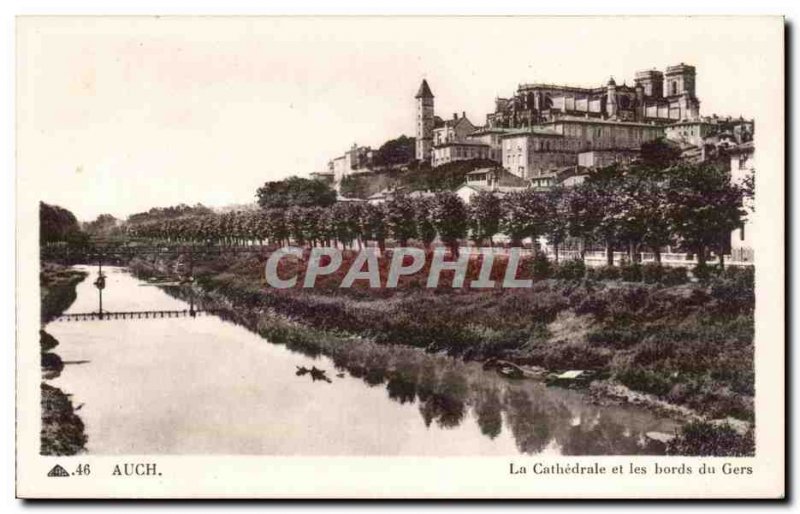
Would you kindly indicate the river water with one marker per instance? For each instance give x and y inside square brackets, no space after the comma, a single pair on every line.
[207,386]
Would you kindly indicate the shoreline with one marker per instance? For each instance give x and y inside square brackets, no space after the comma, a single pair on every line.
[298,334]
[63,431]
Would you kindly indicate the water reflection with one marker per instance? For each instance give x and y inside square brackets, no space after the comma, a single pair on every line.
[448,390]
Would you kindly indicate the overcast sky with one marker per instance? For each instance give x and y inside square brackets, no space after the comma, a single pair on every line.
[122,114]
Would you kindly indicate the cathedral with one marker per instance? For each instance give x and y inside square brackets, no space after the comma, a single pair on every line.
[655,97]
[655,100]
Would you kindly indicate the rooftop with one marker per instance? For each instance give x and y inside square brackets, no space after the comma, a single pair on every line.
[424,90]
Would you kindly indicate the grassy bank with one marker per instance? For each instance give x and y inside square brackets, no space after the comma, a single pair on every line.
[57,287]
[62,430]
[690,344]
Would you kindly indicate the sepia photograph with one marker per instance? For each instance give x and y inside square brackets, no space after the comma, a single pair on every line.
[553,246]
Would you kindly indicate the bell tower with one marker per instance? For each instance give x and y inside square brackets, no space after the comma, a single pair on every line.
[424,122]
[680,85]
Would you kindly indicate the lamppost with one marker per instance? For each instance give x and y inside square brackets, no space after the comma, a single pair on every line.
[100,284]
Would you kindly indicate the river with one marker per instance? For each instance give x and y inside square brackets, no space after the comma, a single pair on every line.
[207,386]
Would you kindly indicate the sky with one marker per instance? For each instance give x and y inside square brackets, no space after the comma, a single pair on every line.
[121,114]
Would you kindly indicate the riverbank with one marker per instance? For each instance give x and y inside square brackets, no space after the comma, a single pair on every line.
[62,431]
[683,349]
[57,288]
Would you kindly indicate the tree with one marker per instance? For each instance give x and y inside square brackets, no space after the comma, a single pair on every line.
[449,217]
[703,207]
[426,232]
[603,208]
[647,197]
[57,224]
[345,222]
[295,192]
[103,226]
[485,212]
[556,219]
[659,154]
[296,224]
[400,218]
[395,151]
[372,223]
[524,215]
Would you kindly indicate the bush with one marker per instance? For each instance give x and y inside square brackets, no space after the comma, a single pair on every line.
[572,356]
[734,295]
[674,276]
[574,269]
[598,307]
[541,267]
[645,380]
[652,273]
[616,336]
[631,272]
[705,272]
[607,273]
[743,274]
[703,438]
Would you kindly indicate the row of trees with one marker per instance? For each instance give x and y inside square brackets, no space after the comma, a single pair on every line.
[632,208]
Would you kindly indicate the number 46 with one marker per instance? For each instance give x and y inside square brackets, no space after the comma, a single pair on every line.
[83,469]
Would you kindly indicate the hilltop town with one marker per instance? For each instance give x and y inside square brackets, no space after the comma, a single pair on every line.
[546,135]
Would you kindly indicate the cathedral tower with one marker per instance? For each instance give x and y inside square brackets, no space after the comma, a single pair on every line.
[425,122]
[680,84]
[611,98]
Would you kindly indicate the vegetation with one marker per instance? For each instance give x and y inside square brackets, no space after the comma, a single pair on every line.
[57,224]
[295,192]
[632,209]
[702,438]
[103,227]
[416,177]
[395,151]
[162,214]
[62,430]
[57,289]
[690,344]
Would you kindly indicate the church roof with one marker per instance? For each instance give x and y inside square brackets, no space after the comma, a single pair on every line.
[424,90]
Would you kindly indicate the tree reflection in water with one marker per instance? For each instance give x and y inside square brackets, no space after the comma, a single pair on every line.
[489,411]
[448,389]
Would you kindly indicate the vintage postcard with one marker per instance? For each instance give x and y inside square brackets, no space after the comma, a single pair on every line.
[400,257]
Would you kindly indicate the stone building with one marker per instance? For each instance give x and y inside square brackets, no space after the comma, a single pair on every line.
[496,180]
[452,130]
[491,138]
[605,134]
[605,158]
[655,97]
[531,153]
[424,122]
[459,151]
[339,167]
[742,166]
[711,130]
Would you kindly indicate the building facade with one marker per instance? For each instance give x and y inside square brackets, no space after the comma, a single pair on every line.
[529,154]
[452,130]
[742,168]
[655,97]
[459,151]
[606,134]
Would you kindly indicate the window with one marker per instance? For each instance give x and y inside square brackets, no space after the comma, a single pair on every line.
[742,162]
[674,86]
[741,233]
